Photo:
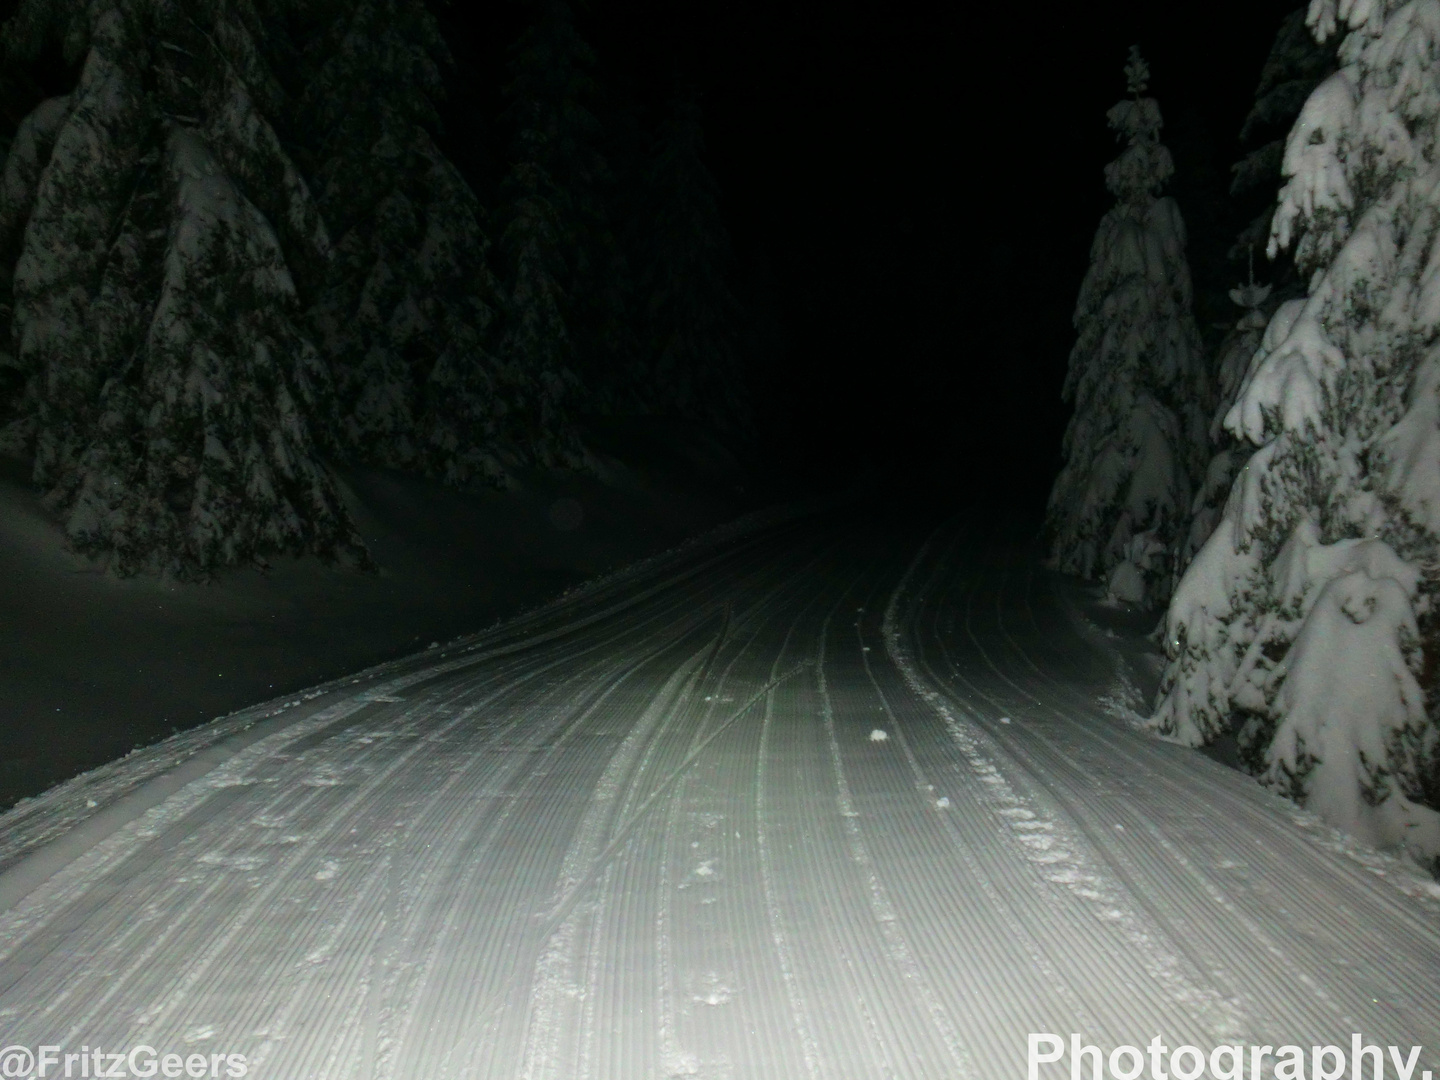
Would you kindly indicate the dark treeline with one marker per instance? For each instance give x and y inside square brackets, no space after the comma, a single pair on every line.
[241,243]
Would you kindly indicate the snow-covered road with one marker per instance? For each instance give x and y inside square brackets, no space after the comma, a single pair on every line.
[808,806]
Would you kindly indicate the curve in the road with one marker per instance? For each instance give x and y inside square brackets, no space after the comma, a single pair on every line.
[827,802]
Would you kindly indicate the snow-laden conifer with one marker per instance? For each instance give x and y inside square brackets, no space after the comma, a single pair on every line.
[1305,618]
[1236,350]
[26,155]
[170,398]
[693,362]
[1136,443]
[1294,66]
[405,310]
[551,223]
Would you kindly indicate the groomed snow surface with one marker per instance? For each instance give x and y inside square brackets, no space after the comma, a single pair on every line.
[651,832]
[93,666]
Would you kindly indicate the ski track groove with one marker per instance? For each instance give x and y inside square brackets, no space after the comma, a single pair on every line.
[1105,974]
[899,948]
[606,827]
[1190,890]
[1337,874]
[1234,932]
[1169,960]
[1239,921]
[645,833]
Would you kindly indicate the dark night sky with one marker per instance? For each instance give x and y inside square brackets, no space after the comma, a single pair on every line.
[924,181]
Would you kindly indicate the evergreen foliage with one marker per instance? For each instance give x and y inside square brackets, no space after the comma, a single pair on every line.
[405,311]
[172,402]
[693,356]
[1135,445]
[554,227]
[1294,67]
[25,157]
[1236,350]
[1305,620]
[236,248]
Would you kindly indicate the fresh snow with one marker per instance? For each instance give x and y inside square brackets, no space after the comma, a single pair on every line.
[1303,624]
[95,665]
[172,408]
[644,832]
[1135,445]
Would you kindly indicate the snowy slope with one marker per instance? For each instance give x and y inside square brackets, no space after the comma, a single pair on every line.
[92,666]
[782,809]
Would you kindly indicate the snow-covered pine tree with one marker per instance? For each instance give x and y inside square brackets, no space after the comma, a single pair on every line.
[1306,620]
[28,149]
[1294,67]
[170,396]
[609,316]
[1236,350]
[692,361]
[405,310]
[551,222]
[1135,445]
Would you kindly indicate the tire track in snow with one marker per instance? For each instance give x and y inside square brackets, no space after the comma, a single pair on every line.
[329,724]
[409,976]
[628,813]
[455,936]
[837,921]
[428,936]
[488,1017]
[588,1009]
[64,889]
[39,821]
[585,849]
[573,717]
[586,860]
[246,918]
